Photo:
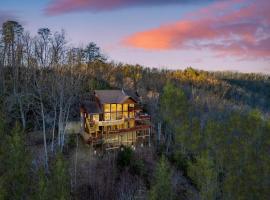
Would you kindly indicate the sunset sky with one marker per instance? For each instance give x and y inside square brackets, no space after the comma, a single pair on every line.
[173,34]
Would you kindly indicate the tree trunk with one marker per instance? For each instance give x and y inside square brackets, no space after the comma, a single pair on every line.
[22,113]
[60,121]
[64,127]
[53,130]
[44,135]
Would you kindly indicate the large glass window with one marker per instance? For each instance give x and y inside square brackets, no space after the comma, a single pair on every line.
[119,107]
[107,116]
[113,107]
[107,108]
[131,114]
[119,115]
[113,116]
[125,107]
[125,114]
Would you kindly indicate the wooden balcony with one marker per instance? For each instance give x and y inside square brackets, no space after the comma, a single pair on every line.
[136,128]
[111,122]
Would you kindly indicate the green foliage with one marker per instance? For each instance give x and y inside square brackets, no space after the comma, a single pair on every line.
[53,185]
[238,145]
[137,167]
[181,161]
[161,188]
[203,173]
[72,141]
[42,188]
[11,29]
[173,104]
[92,53]
[124,158]
[59,179]
[15,166]
[2,151]
[238,157]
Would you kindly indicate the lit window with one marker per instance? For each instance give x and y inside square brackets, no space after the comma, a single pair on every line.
[107,116]
[119,115]
[131,114]
[131,105]
[119,107]
[125,114]
[113,116]
[113,107]
[106,107]
[125,107]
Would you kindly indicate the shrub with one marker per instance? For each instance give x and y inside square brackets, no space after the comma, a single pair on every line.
[124,158]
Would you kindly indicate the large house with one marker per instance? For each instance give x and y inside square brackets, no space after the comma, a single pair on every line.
[111,118]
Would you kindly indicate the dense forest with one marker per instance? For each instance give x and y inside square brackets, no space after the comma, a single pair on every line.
[214,141]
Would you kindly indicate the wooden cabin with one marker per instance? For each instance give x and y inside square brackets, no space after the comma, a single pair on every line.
[111,118]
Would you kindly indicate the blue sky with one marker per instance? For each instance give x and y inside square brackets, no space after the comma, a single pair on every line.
[110,24]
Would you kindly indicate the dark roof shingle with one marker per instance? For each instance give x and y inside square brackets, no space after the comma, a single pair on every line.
[91,107]
[112,96]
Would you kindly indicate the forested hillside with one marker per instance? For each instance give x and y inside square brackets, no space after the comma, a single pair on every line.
[215,126]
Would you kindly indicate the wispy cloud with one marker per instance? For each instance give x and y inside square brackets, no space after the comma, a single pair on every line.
[62,6]
[235,27]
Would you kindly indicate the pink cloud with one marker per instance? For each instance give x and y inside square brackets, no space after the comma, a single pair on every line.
[234,27]
[63,6]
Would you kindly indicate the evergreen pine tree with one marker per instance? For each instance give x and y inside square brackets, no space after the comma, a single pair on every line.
[15,163]
[59,179]
[162,186]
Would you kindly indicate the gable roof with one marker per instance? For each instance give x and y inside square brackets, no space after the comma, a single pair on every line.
[112,96]
[89,103]
[133,94]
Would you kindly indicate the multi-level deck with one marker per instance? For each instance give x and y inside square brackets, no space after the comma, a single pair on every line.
[111,118]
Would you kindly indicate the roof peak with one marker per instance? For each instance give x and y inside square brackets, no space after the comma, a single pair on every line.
[113,96]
